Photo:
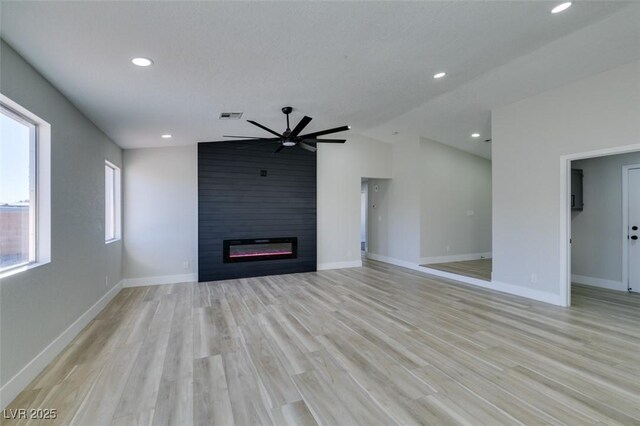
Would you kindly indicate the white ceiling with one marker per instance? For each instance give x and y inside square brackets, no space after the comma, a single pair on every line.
[368,64]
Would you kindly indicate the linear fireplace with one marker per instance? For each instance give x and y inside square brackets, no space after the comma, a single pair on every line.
[248,250]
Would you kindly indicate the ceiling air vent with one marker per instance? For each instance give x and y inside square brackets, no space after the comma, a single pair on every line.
[230,115]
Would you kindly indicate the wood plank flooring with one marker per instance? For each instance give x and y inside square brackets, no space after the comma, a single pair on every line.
[372,345]
[480,269]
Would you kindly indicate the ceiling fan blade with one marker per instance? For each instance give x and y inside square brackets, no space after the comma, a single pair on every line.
[307,147]
[280,148]
[324,140]
[325,132]
[301,125]
[264,128]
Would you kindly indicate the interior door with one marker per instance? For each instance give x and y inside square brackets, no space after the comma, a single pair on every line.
[634,230]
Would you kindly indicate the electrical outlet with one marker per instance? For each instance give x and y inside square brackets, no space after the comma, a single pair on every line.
[534,278]
[106,280]
[185,264]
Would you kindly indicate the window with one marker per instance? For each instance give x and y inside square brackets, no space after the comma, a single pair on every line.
[24,188]
[111,202]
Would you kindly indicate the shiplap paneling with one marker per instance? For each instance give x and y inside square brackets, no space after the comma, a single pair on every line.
[235,202]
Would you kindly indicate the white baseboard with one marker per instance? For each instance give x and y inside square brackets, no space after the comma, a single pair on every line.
[455,258]
[339,265]
[599,282]
[17,383]
[391,260]
[529,293]
[162,280]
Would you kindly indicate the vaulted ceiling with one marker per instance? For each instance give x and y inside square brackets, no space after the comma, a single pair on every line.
[368,64]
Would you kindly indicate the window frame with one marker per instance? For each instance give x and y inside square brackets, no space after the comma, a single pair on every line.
[117,203]
[39,186]
[33,184]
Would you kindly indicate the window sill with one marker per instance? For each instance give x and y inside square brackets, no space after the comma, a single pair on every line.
[115,240]
[13,271]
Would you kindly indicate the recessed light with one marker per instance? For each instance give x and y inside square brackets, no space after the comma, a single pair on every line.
[561,7]
[475,135]
[142,62]
[439,75]
[167,136]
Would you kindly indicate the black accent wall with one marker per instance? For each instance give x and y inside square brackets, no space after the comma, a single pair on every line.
[253,193]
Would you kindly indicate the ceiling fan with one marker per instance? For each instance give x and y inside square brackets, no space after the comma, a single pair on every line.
[291,138]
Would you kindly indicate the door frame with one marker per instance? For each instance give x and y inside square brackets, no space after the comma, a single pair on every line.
[365,217]
[565,212]
[625,222]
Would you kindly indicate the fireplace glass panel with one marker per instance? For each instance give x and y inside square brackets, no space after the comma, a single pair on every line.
[269,249]
[259,249]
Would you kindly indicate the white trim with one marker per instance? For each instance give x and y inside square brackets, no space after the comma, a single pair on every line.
[529,293]
[6,273]
[117,202]
[42,218]
[565,212]
[17,383]
[161,280]
[598,282]
[392,261]
[455,258]
[564,289]
[339,265]
[625,223]
[541,296]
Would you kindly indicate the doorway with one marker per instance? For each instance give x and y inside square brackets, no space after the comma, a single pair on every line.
[601,199]
[364,196]
[631,226]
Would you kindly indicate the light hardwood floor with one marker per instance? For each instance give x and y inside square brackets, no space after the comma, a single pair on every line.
[480,268]
[371,345]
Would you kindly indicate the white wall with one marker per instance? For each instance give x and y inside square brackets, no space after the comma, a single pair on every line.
[596,250]
[404,201]
[161,207]
[160,215]
[340,172]
[455,183]
[394,209]
[423,209]
[43,308]
[529,137]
